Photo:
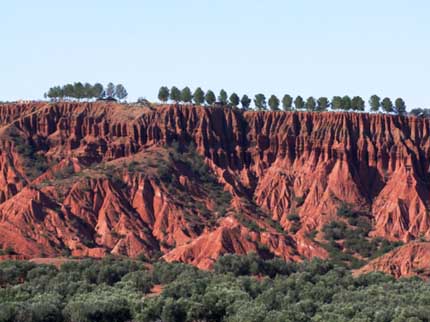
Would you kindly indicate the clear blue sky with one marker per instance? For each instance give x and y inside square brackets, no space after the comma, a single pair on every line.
[306,47]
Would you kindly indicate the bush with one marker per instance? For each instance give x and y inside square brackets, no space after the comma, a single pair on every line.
[241,288]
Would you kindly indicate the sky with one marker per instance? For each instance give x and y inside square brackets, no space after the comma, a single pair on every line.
[300,47]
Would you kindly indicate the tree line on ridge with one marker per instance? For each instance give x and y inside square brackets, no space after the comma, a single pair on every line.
[79,91]
[287,102]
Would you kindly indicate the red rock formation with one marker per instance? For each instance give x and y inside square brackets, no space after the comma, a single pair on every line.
[412,259]
[273,164]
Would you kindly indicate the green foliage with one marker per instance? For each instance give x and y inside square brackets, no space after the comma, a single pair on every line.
[245,101]
[309,291]
[293,217]
[199,96]
[274,103]
[287,102]
[260,102]
[400,106]
[387,105]
[299,103]
[346,103]
[120,92]
[357,103]
[163,94]
[86,91]
[336,103]
[110,90]
[210,97]
[248,223]
[323,104]
[175,94]
[223,98]
[234,100]
[375,103]
[34,161]
[355,238]
[187,156]
[311,104]
[186,95]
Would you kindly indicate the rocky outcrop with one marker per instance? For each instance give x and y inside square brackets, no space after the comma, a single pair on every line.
[273,164]
[412,259]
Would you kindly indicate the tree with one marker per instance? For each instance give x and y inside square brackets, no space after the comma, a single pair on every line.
[234,99]
[186,95]
[323,104]
[387,105]
[245,101]
[210,97]
[346,103]
[274,103]
[68,90]
[199,96]
[287,102]
[400,106]
[260,101]
[88,91]
[55,92]
[120,92]
[175,94]
[163,94]
[299,103]
[78,90]
[311,104]
[375,103]
[97,90]
[110,90]
[357,103]
[222,98]
[336,103]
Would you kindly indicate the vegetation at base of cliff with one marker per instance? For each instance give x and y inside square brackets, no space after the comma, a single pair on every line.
[356,247]
[122,290]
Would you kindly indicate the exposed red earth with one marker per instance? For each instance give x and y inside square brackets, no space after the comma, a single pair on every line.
[91,179]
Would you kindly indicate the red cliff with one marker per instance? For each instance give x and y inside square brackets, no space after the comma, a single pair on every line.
[107,181]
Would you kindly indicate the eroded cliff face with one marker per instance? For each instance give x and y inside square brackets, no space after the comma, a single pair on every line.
[409,260]
[108,180]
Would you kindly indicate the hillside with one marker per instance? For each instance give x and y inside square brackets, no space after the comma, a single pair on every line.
[191,184]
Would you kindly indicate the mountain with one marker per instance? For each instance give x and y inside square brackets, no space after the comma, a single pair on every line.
[192,183]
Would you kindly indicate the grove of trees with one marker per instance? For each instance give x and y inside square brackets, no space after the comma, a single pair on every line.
[122,290]
[287,103]
[80,91]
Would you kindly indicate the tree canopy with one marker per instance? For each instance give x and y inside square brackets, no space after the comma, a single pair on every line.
[234,100]
[210,97]
[121,290]
[175,94]
[80,91]
[163,94]
[186,95]
[287,102]
[245,101]
[274,103]
[299,103]
[222,98]
[260,101]
[340,103]
[199,96]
